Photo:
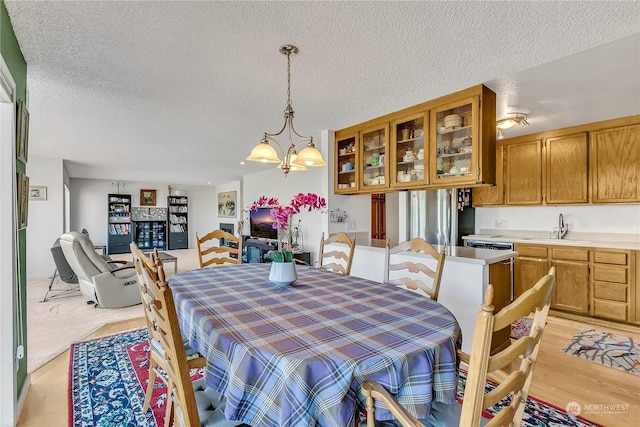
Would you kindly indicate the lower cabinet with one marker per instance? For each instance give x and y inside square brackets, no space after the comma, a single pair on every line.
[611,284]
[532,263]
[572,279]
[500,278]
[593,282]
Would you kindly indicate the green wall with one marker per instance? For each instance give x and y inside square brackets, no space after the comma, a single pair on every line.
[12,55]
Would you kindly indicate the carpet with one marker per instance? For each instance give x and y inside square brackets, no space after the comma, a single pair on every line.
[521,327]
[53,325]
[536,412]
[108,378]
[607,349]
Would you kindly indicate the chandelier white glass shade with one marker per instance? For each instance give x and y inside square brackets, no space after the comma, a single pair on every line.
[509,122]
[265,151]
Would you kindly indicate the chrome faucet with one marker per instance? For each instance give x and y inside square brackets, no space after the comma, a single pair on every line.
[562,227]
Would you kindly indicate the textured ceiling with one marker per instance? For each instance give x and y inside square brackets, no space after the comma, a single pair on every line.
[179,92]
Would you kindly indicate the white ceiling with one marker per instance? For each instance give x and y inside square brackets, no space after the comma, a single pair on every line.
[179,92]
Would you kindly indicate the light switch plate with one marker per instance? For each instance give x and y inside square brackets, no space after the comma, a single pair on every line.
[351,225]
[502,223]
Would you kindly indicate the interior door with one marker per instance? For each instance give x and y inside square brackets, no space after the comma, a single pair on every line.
[378,219]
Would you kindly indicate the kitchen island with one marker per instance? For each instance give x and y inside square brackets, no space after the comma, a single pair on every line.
[464,281]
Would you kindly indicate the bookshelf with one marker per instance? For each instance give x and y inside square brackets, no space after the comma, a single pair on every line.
[119,223]
[178,222]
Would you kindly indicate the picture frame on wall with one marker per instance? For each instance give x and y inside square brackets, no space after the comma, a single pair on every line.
[37,192]
[227,202]
[23,200]
[22,132]
[147,197]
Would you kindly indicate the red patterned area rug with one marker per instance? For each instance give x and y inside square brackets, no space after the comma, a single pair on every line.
[108,378]
[536,412]
[606,348]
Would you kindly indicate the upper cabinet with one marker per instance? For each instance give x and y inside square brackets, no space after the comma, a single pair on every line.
[591,163]
[523,173]
[445,143]
[615,165]
[409,151]
[345,161]
[566,165]
[374,172]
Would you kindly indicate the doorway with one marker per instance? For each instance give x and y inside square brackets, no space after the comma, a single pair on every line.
[378,220]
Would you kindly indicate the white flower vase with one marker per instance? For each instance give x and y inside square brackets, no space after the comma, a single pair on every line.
[283,273]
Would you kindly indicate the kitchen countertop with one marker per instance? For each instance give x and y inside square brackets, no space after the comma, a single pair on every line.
[590,240]
[461,254]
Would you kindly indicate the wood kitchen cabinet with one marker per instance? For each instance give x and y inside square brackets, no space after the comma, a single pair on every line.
[373,146]
[346,163]
[566,166]
[523,173]
[462,140]
[615,164]
[612,283]
[572,278]
[531,264]
[414,148]
[500,278]
[409,152]
[549,171]
[592,163]
[492,195]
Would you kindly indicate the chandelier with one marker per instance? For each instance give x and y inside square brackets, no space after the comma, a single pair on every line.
[264,152]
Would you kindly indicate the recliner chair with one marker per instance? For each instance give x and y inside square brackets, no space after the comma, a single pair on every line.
[107,287]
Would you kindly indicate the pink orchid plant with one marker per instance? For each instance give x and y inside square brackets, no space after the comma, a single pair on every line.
[282,215]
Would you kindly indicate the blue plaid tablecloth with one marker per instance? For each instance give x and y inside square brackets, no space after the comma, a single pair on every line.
[297,355]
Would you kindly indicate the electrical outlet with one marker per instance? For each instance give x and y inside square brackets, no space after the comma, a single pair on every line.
[351,225]
[502,223]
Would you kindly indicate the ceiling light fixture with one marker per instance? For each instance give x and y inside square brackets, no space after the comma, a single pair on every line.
[291,160]
[508,123]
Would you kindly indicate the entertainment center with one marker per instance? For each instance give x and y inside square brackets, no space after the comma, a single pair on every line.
[256,249]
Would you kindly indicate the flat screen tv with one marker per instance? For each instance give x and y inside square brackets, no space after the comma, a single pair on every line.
[261,224]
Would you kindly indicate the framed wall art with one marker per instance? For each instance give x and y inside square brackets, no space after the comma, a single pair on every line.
[227,204]
[23,200]
[37,192]
[22,132]
[147,197]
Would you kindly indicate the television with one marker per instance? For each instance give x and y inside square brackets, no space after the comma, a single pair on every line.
[261,224]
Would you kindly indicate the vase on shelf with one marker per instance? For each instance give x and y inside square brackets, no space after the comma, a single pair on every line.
[283,273]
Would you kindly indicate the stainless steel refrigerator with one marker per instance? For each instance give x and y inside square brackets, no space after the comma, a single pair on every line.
[440,216]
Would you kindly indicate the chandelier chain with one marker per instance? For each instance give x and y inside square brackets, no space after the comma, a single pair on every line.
[288,78]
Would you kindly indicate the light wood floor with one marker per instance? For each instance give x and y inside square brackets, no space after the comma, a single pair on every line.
[558,379]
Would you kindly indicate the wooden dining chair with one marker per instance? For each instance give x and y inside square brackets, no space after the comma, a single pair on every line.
[337,260]
[414,274]
[523,352]
[193,404]
[229,253]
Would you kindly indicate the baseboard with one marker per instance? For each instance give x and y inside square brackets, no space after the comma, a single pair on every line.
[23,396]
[596,321]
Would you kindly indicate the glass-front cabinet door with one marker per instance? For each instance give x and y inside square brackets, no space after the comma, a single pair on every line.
[374,143]
[454,138]
[409,155]
[346,163]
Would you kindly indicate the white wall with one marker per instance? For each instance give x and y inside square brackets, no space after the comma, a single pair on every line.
[46,217]
[273,183]
[203,205]
[595,219]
